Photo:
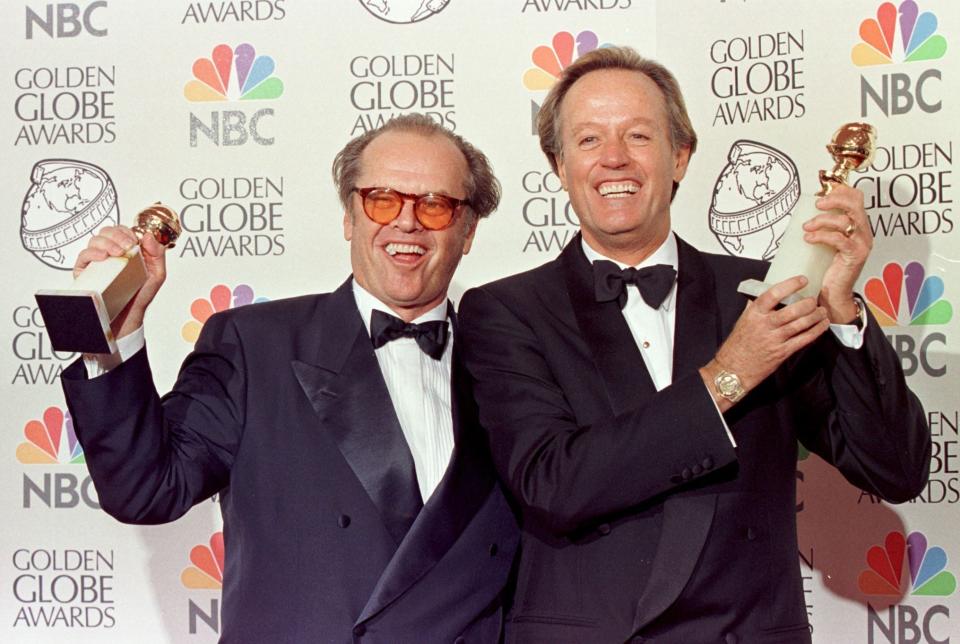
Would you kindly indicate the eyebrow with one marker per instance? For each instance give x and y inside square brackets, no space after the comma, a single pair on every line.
[639,120]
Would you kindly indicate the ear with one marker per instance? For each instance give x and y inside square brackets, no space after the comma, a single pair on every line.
[681,158]
[347,225]
[561,171]
[469,233]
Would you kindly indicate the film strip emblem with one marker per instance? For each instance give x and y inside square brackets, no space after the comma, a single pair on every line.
[752,198]
[66,202]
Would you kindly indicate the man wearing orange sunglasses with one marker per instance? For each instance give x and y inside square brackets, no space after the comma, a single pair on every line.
[358,499]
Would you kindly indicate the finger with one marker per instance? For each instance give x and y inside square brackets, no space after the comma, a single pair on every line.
[151,246]
[805,322]
[843,197]
[857,245]
[838,241]
[794,311]
[801,340]
[115,246]
[768,300]
[829,221]
[121,235]
[86,256]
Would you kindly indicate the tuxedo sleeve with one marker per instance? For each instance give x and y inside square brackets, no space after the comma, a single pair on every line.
[151,459]
[565,473]
[855,410]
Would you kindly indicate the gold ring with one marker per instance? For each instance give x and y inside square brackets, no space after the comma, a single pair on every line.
[850,229]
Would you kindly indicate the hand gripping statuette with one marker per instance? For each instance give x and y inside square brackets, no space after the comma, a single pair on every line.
[78,317]
[852,147]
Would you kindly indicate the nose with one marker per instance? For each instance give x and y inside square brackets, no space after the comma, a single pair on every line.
[407,221]
[614,153]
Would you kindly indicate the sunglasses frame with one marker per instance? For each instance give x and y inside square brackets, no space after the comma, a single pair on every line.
[406,196]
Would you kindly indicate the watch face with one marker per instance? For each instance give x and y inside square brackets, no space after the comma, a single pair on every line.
[728,385]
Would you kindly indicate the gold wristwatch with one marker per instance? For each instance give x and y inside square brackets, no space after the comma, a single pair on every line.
[728,385]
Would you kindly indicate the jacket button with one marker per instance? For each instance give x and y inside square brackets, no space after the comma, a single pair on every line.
[460,640]
[493,550]
[751,534]
[707,463]
[604,528]
[730,638]
[686,474]
[359,630]
[343,522]
[696,469]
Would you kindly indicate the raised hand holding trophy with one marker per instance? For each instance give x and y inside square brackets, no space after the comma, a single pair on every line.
[78,318]
[852,147]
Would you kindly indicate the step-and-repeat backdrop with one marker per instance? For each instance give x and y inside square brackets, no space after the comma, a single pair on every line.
[231,111]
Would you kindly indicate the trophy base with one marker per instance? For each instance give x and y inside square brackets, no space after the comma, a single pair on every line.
[78,318]
[755,288]
[76,321]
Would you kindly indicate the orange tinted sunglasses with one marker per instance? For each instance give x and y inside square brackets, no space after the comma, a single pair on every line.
[433,210]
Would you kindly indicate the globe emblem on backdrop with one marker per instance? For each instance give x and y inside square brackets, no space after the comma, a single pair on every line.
[404,11]
[753,199]
[67,202]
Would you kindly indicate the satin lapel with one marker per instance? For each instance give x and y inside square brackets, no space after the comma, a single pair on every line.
[603,328]
[465,485]
[697,333]
[686,524]
[347,391]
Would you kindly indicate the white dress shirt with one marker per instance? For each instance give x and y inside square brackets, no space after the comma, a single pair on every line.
[419,387]
[652,329]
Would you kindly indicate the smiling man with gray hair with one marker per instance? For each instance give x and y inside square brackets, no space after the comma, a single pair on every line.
[357,496]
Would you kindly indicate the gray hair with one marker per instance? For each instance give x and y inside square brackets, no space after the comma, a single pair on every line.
[482,187]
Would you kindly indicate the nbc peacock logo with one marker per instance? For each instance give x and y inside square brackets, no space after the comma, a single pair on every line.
[918,38]
[206,569]
[927,567]
[50,440]
[221,298]
[550,60]
[907,296]
[233,74]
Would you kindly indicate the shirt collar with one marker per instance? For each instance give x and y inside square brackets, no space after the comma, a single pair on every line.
[666,253]
[367,303]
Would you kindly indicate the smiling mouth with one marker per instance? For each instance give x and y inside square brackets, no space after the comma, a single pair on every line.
[406,249]
[618,190]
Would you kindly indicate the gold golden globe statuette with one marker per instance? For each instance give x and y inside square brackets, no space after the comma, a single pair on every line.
[161,221]
[78,318]
[852,147]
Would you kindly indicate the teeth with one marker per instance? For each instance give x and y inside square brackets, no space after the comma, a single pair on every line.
[617,188]
[393,249]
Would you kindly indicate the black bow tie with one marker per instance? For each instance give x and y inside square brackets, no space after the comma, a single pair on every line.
[430,336]
[654,282]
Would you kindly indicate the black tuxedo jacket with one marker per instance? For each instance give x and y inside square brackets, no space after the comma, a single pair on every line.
[640,520]
[283,409]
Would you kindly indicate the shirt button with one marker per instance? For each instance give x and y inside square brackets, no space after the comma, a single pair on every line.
[646,344]
[343,521]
